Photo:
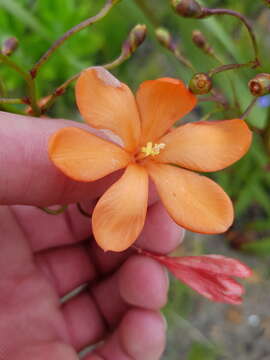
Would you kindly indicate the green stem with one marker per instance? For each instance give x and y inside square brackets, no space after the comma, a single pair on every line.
[11,101]
[28,79]
[90,21]
[60,210]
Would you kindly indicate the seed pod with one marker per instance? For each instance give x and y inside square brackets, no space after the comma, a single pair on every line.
[200,84]
[135,38]
[187,8]
[165,38]
[9,46]
[260,84]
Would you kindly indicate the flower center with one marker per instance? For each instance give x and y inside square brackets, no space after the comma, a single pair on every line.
[152,149]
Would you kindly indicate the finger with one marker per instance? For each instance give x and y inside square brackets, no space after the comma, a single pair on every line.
[160,234]
[53,351]
[140,282]
[24,143]
[141,335]
[83,320]
[66,268]
[108,301]
[66,228]
[45,231]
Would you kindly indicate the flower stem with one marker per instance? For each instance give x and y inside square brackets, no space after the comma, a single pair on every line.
[58,211]
[227,67]
[29,80]
[60,90]
[249,108]
[11,101]
[244,20]
[90,21]
[82,211]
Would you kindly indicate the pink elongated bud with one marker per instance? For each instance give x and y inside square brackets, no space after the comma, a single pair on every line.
[209,275]
[188,8]
[165,38]
[135,38]
[200,84]
[9,46]
[260,84]
[201,42]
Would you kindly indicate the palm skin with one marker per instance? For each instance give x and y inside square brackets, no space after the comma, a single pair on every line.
[45,257]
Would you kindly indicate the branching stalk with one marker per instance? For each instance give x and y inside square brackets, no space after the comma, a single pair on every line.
[29,80]
[90,21]
[244,20]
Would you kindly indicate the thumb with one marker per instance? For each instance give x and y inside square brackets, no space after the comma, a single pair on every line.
[27,175]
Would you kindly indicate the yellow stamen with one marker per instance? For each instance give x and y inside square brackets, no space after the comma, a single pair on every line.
[152,149]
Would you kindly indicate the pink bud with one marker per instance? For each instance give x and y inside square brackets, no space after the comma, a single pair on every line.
[209,275]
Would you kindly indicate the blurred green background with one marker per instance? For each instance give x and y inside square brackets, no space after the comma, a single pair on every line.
[198,329]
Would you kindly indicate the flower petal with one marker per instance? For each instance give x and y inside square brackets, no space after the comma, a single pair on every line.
[106,103]
[214,287]
[209,275]
[195,202]
[85,157]
[206,145]
[161,103]
[119,215]
[216,264]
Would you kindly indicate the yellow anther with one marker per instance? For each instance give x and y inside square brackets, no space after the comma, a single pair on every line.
[152,149]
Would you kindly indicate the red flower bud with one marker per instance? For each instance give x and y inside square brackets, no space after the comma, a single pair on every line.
[209,275]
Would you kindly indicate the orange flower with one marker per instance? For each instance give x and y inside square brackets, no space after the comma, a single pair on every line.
[143,122]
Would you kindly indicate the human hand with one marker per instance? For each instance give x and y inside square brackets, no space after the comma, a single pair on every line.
[44,257]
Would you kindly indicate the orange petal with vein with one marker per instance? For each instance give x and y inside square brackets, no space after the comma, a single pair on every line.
[193,201]
[161,103]
[119,215]
[106,103]
[206,145]
[83,156]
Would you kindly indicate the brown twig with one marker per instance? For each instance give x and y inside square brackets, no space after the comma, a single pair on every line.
[90,21]
[244,20]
